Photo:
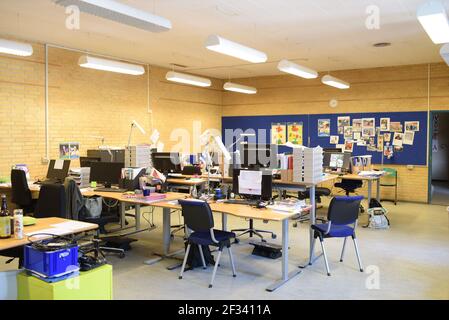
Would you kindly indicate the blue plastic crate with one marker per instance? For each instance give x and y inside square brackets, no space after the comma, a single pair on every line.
[51,263]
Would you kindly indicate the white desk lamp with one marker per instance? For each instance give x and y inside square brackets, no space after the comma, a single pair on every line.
[135,124]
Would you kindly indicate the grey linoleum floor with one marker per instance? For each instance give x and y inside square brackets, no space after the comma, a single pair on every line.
[412,259]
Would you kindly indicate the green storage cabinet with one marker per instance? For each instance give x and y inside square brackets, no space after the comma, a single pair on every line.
[95,284]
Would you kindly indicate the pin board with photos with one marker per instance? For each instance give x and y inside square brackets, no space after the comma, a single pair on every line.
[407,130]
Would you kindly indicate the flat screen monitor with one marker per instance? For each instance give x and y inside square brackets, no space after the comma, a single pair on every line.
[258,155]
[166,162]
[85,162]
[337,160]
[107,173]
[250,183]
[58,169]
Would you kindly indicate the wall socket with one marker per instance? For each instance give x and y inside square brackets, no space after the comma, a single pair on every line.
[44,160]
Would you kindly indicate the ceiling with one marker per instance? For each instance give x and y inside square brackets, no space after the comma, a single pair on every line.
[321,34]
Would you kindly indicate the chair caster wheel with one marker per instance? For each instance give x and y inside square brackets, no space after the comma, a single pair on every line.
[236,241]
[264,241]
[295,225]
[273,236]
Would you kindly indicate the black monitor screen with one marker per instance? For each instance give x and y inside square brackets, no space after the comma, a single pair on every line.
[108,173]
[266,189]
[58,169]
[258,155]
[166,162]
[85,162]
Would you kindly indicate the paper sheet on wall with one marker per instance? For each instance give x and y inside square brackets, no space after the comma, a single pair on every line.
[250,182]
[59,164]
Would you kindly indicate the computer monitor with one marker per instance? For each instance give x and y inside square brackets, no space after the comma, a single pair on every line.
[258,184]
[86,161]
[166,162]
[254,155]
[107,173]
[337,161]
[334,150]
[58,169]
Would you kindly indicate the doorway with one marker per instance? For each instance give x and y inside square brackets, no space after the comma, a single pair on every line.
[439,158]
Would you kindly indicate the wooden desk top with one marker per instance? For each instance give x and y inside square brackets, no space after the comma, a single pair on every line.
[123,198]
[42,224]
[183,181]
[352,176]
[239,210]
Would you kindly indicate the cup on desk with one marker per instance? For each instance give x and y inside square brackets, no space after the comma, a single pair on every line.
[146,192]
[93,184]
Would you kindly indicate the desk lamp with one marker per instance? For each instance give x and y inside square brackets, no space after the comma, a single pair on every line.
[135,124]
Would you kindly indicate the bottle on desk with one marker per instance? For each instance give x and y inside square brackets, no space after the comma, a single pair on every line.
[5,220]
[18,224]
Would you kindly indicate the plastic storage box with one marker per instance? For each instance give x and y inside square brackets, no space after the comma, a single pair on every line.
[50,264]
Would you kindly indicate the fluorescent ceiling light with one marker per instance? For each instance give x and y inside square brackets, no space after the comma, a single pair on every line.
[229,86]
[297,70]
[234,49]
[110,65]
[433,18]
[15,48]
[444,52]
[335,82]
[121,13]
[188,79]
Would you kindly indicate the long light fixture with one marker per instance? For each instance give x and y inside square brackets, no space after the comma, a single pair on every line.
[86,61]
[119,12]
[230,86]
[335,82]
[444,52]
[188,79]
[234,49]
[15,48]
[297,70]
[433,18]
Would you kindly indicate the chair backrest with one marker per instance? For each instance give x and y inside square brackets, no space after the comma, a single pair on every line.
[349,184]
[51,202]
[344,210]
[21,194]
[197,215]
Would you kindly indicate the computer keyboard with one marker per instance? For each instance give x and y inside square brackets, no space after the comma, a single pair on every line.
[243,202]
[111,190]
[47,182]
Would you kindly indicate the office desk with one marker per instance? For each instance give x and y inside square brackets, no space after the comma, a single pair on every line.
[42,224]
[241,211]
[191,182]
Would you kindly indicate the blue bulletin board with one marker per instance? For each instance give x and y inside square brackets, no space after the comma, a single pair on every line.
[415,154]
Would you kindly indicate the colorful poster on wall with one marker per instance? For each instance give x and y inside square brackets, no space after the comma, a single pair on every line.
[348,133]
[324,127]
[334,140]
[387,137]
[343,122]
[294,130]
[278,133]
[357,125]
[409,137]
[69,150]
[411,125]
[395,127]
[384,124]
[398,139]
[368,123]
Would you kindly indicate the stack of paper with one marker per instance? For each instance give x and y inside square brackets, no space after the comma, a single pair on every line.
[81,176]
[138,156]
[308,165]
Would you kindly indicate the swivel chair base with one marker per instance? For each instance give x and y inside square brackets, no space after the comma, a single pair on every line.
[251,230]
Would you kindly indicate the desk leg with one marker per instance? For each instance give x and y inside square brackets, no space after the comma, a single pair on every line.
[224,221]
[284,271]
[378,190]
[312,221]
[122,215]
[166,221]
[138,217]
[370,188]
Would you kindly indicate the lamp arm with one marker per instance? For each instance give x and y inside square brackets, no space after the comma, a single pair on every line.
[130,134]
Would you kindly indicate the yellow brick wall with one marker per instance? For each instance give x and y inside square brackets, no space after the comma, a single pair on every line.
[85,103]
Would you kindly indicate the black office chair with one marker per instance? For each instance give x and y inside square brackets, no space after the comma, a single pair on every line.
[253,231]
[51,202]
[21,193]
[350,186]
